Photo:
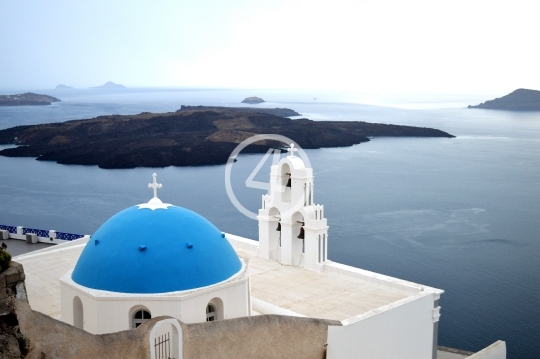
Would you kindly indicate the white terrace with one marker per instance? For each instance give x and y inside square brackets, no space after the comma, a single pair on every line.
[340,292]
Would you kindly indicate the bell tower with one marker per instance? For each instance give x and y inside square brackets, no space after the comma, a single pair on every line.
[292,228]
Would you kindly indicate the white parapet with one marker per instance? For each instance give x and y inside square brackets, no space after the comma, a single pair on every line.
[268,308]
[245,244]
[496,350]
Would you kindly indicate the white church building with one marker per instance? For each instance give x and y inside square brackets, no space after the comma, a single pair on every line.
[156,259]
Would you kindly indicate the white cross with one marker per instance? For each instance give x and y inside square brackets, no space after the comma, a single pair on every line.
[155,185]
[292,149]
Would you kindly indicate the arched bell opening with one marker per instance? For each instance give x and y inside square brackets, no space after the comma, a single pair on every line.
[276,217]
[286,182]
[302,236]
[298,232]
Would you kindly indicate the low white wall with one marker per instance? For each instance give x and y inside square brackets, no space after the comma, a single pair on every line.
[267,308]
[376,278]
[242,243]
[496,350]
[403,330]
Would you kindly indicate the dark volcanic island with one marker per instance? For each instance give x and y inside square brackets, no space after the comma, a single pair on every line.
[26,99]
[188,137]
[519,100]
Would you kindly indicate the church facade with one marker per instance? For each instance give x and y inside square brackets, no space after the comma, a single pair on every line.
[156,259]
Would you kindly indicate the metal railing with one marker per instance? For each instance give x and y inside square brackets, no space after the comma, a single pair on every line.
[10,229]
[68,236]
[41,233]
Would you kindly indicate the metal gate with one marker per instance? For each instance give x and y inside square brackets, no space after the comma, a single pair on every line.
[162,346]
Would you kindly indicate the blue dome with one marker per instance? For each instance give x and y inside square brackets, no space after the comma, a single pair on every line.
[155,251]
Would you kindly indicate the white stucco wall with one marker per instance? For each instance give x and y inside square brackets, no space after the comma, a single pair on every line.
[403,329]
[108,312]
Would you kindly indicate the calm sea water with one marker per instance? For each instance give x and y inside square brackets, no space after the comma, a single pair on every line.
[458,214]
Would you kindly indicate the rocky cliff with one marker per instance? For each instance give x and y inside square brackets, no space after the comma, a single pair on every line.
[519,100]
[13,344]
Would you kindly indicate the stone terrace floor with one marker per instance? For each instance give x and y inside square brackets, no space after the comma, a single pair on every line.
[43,269]
[316,295]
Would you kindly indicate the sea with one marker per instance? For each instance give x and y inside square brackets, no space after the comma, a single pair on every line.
[461,214]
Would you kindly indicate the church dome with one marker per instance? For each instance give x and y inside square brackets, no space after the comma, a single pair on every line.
[156,248]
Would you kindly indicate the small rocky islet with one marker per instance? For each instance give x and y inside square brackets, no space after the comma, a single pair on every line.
[191,136]
[253,100]
[109,85]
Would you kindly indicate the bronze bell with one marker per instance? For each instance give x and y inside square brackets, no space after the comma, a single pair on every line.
[301,235]
[278,226]
[288,183]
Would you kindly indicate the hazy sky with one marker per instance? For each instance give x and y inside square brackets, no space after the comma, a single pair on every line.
[395,46]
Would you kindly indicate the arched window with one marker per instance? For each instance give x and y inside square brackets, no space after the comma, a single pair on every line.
[211,314]
[215,310]
[78,313]
[140,316]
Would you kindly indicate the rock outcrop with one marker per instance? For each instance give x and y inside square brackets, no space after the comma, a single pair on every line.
[519,100]
[13,344]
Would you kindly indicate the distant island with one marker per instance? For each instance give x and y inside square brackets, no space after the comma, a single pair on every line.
[282,112]
[27,99]
[519,100]
[110,85]
[189,137]
[63,87]
[253,100]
